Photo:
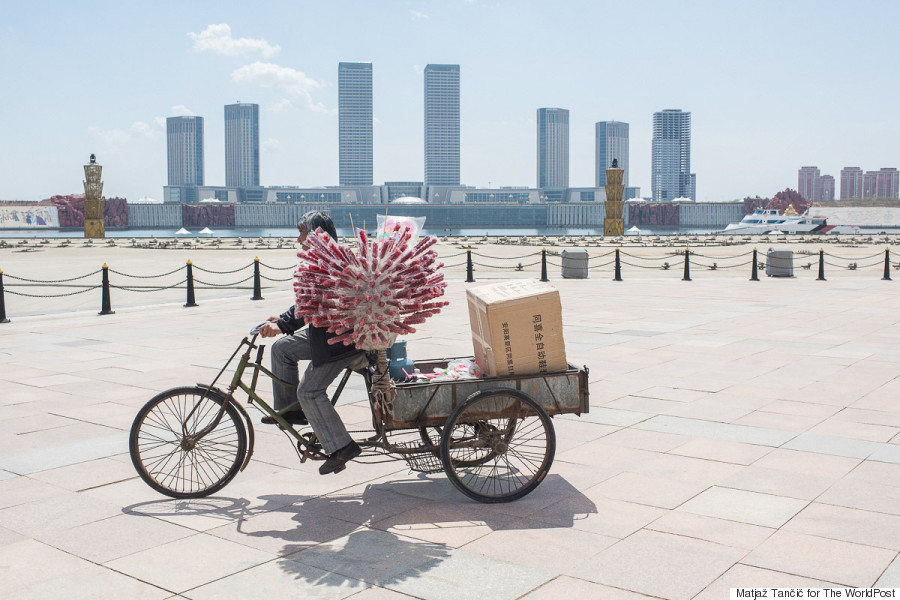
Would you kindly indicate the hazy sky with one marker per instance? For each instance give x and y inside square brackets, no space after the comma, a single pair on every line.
[772,86]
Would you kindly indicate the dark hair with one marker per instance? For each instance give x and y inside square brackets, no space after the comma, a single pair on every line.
[316,219]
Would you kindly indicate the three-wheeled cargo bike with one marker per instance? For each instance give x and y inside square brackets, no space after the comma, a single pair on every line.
[493,437]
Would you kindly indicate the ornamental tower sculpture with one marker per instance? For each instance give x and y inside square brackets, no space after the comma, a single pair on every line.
[614,224]
[93,204]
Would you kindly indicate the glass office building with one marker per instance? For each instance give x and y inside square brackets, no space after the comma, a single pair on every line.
[355,123]
[671,175]
[184,136]
[552,148]
[242,145]
[611,143]
[442,125]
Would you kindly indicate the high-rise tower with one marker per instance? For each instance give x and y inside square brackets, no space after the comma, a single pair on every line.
[671,168]
[442,125]
[185,156]
[611,143]
[242,145]
[552,148]
[355,123]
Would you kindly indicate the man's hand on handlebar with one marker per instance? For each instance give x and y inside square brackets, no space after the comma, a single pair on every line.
[269,328]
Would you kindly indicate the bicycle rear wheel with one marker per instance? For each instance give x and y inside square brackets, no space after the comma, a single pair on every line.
[179,465]
[498,445]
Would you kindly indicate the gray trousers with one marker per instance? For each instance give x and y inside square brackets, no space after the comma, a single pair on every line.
[311,391]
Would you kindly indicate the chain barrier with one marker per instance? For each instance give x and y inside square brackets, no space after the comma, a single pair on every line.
[44,282]
[222,285]
[144,276]
[87,289]
[223,272]
[506,257]
[879,255]
[147,288]
[262,264]
[261,276]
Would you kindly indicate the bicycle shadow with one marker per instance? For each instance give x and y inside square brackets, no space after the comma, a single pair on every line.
[378,535]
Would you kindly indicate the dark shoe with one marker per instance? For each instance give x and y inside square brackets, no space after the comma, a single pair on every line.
[294,417]
[337,462]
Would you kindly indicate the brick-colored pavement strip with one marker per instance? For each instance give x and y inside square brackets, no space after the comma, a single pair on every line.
[741,433]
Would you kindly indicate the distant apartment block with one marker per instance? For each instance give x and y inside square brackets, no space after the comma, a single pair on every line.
[241,145]
[671,175]
[851,183]
[355,123]
[887,184]
[552,148]
[814,186]
[441,125]
[184,141]
[184,136]
[611,142]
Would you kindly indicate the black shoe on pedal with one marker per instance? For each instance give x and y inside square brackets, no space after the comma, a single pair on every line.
[294,417]
[337,462]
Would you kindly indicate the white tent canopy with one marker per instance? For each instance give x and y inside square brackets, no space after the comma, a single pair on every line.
[633,229]
[182,231]
[206,231]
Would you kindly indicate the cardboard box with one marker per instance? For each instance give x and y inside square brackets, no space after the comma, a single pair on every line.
[517,328]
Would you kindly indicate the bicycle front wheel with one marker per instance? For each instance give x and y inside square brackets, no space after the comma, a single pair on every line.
[168,456]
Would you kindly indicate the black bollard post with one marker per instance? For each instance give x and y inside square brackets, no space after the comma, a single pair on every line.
[3,318]
[544,265]
[190,286]
[754,271]
[469,269]
[821,276]
[257,287]
[687,265]
[887,269]
[105,305]
[618,276]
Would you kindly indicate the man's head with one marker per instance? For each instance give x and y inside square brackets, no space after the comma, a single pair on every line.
[313,220]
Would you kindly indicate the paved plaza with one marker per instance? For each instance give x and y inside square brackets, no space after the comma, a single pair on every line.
[740,434]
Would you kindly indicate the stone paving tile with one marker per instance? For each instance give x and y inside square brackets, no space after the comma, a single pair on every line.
[718,431]
[820,558]
[747,576]
[722,451]
[421,569]
[279,579]
[838,446]
[848,524]
[800,485]
[872,496]
[793,424]
[67,454]
[51,515]
[534,543]
[18,490]
[652,491]
[638,438]
[379,593]
[889,453]
[10,537]
[615,417]
[745,507]
[891,576]
[27,563]
[282,531]
[801,409]
[871,471]
[659,564]
[450,526]
[187,563]
[108,539]
[91,583]
[570,587]
[719,531]
[855,431]
[87,475]
[798,461]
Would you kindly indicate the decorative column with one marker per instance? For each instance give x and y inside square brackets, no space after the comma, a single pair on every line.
[93,205]
[614,224]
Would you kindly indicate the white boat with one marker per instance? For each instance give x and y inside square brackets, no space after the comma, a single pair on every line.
[768,220]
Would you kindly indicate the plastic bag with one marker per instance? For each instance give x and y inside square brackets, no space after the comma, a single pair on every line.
[387,223]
